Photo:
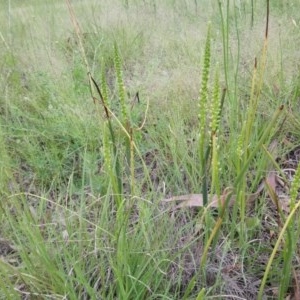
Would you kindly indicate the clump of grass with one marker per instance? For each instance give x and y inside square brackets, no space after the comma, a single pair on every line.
[81,183]
[290,230]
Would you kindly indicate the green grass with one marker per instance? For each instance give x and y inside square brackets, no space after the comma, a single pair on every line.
[174,104]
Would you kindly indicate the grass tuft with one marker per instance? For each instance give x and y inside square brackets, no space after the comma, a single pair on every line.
[101,120]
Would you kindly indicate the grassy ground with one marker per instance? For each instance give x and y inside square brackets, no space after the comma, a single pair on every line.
[194,98]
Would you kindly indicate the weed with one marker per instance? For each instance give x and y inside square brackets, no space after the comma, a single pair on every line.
[84,163]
